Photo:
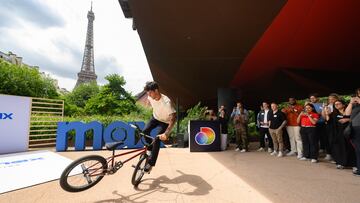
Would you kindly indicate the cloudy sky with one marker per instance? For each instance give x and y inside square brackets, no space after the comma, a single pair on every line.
[51,34]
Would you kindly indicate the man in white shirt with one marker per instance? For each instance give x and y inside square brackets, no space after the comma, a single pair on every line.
[263,120]
[163,117]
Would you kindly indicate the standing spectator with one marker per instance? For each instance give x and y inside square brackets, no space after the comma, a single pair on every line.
[210,115]
[342,151]
[257,117]
[307,121]
[224,126]
[263,120]
[237,110]
[353,109]
[332,98]
[320,125]
[240,117]
[277,122]
[292,111]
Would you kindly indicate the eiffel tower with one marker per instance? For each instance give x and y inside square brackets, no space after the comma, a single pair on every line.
[87,73]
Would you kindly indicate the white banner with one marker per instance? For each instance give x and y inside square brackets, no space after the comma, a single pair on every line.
[14,123]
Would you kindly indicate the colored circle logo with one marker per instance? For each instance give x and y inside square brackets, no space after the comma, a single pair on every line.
[206,136]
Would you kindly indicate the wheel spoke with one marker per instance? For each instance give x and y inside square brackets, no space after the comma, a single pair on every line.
[83,173]
[86,173]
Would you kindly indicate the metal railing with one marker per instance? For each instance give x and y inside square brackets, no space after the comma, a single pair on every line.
[45,113]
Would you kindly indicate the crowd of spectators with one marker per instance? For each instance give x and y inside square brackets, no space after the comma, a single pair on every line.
[330,130]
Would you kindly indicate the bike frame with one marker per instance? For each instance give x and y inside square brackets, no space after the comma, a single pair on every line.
[112,158]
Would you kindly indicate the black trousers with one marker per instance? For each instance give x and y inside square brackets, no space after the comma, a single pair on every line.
[152,124]
[322,132]
[356,140]
[262,132]
[310,142]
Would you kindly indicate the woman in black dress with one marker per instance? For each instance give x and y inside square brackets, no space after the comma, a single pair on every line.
[342,151]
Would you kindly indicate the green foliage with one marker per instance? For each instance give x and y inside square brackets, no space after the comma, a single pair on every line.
[112,99]
[195,113]
[25,81]
[82,93]
[140,114]
[72,110]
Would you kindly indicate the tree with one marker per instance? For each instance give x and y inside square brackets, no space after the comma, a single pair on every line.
[82,93]
[25,81]
[112,98]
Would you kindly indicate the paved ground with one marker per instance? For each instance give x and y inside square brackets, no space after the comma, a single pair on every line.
[181,176]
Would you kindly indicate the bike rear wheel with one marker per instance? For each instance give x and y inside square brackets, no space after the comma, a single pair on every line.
[83,173]
[139,170]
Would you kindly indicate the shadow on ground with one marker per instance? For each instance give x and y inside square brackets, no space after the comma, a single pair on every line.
[152,185]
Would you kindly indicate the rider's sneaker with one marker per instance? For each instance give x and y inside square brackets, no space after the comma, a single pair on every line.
[147,168]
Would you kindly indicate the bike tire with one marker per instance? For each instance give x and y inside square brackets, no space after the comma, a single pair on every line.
[139,170]
[75,167]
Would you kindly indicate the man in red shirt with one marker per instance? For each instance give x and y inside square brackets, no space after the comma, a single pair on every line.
[292,111]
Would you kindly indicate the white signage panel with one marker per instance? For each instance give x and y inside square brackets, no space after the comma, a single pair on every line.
[14,123]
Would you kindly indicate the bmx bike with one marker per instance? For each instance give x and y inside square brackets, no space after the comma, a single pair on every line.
[87,171]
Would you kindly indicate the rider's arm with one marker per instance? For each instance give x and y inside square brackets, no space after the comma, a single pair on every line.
[170,126]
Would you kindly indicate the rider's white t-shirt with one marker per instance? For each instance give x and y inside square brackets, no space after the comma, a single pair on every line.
[162,108]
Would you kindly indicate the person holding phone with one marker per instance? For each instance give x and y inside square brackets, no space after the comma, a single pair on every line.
[292,111]
[353,110]
[240,118]
[307,121]
[329,127]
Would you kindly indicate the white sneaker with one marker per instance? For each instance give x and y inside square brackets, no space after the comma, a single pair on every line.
[243,150]
[328,157]
[314,161]
[237,149]
[339,166]
[354,169]
[303,159]
[290,154]
[280,154]
[299,156]
[260,149]
[273,153]
[270,150]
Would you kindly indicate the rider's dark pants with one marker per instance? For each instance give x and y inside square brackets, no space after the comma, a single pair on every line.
[152,124]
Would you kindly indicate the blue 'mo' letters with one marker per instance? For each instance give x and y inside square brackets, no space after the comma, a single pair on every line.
[115,131]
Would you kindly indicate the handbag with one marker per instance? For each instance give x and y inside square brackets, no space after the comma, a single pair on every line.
[348,131]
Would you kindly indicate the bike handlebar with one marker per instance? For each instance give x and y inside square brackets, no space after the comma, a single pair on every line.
[139,132]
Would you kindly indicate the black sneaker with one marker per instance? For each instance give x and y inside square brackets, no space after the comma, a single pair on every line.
[147,168]
[357,173]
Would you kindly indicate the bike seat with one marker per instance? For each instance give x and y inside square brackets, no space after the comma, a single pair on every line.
[113,145]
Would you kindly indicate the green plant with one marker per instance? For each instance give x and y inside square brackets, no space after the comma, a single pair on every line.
[25,81]
[141,114]
[112,99]
[195,113]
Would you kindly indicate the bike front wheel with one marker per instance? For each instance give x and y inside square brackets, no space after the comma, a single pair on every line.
[139,170]
[83,173]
